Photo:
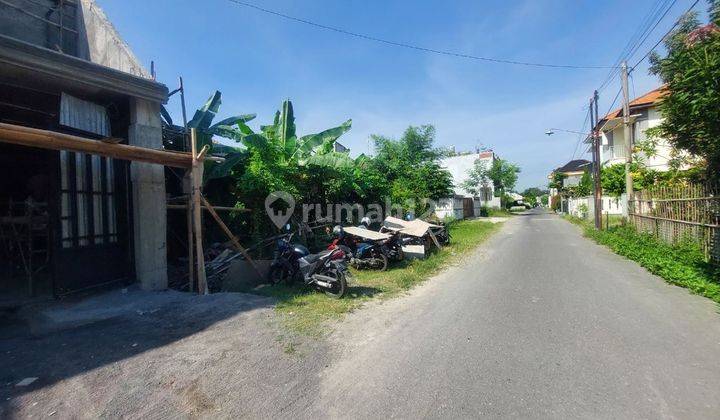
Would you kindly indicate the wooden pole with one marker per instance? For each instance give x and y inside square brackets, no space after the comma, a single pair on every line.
[196,178]
[216,208]
[44,139]
[191,253]
[230,235]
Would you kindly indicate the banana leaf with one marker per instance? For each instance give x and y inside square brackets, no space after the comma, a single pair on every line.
[237,119]
[214,170]
[333,160]
[324,140]
[257,141]
[223,149]
[203,117]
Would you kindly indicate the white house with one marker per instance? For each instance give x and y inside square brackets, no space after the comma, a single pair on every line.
[644,114]
[464,204]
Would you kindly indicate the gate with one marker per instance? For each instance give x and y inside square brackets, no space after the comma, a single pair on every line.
[468,208]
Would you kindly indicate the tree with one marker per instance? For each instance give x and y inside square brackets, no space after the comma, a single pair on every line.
[612,178]
[278,160]
[478,181]
[530,195]
[504,175]
[691,73]
[411,166]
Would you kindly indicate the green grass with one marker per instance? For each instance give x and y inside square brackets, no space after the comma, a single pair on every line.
[304,311]
[682,264]
[493,212]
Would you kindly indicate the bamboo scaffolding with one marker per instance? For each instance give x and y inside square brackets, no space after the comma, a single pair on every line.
[44,139]
[232,237]
[195,193]
[216,208]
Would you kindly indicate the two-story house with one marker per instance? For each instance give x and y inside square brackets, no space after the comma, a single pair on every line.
[643,115]
[464,204]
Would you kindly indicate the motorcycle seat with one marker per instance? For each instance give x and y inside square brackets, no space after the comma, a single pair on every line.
[314,257]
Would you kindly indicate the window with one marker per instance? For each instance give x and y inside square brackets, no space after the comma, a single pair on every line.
[87,200]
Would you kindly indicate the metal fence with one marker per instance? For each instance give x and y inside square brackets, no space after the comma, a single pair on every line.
[684,212]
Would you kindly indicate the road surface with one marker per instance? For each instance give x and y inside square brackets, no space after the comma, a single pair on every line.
[539,323]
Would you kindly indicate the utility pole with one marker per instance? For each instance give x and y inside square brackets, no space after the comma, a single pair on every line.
[595,136]
[627,134]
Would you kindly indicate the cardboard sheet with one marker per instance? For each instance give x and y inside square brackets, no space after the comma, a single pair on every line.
[366,233]
[417,227]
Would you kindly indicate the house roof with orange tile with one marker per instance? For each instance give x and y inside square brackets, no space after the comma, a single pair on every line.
[650,98]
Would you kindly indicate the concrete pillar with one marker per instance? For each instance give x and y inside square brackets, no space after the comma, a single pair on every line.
[148,193]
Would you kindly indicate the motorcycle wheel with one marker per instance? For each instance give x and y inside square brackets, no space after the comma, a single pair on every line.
[340,287]
[279,274]
[382,262]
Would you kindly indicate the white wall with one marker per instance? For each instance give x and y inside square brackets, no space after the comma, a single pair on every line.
[610,205]
[459,166]
[449,207]
[613,149]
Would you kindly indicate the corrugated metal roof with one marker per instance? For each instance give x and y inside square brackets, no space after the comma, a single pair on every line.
[83,115]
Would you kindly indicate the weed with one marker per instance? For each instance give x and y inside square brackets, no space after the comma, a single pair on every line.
[289,348]
[682,264]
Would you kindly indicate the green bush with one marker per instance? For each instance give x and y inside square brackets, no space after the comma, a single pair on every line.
[682,264]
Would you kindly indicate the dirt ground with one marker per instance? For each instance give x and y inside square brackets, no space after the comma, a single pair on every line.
[141,354]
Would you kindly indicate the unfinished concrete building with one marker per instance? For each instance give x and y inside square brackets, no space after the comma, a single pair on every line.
[73,221]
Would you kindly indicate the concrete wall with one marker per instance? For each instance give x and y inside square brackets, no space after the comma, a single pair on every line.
[610,205]
[449,207]
[148,195]
[23,20]
[94,38]
[101,43]
[459,166]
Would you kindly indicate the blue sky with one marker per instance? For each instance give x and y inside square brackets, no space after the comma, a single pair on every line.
[257,60]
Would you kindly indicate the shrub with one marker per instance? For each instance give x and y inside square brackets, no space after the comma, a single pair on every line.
[682,264]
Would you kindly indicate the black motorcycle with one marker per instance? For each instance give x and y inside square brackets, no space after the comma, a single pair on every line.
[325,271]
[393,247]
[370,254]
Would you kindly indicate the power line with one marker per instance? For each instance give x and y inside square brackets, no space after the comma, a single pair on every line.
[677,22]
[581,136]
[633,39]
[656,15]
[651,30]
[411,46]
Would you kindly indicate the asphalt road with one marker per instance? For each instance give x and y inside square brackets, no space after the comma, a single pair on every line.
[539,323]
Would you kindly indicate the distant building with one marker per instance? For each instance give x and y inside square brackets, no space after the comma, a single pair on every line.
[573,172]
[464,204]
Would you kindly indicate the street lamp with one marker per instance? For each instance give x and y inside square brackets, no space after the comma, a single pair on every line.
[552,131]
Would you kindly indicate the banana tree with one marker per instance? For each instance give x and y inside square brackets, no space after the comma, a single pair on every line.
[205,130]
[279,141]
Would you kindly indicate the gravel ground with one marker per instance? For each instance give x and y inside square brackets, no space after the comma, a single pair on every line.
[172,355]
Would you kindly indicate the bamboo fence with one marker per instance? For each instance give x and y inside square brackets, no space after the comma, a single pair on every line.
[677,213]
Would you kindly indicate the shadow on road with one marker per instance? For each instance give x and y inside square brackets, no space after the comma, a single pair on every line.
[58,342]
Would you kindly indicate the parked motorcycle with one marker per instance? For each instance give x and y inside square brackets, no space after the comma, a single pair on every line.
[325,271]
[394,247]
[365,253]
